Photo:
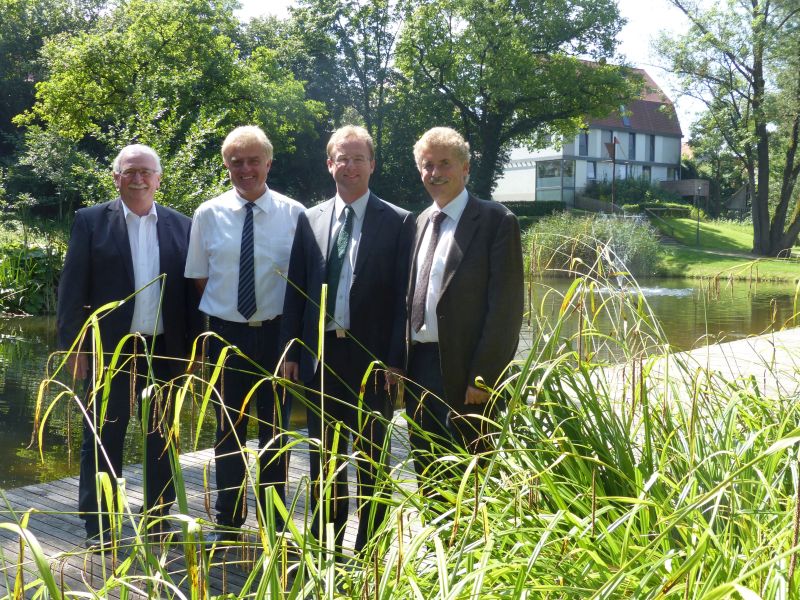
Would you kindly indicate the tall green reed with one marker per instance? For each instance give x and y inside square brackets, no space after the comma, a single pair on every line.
[617,469]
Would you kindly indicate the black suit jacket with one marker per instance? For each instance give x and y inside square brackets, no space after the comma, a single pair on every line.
[480,307]
[98,269]
[377,295]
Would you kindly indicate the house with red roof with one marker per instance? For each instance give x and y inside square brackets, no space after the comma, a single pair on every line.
[640,140]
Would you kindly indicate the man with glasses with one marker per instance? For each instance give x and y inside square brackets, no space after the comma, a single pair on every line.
[359,246]
[117,248]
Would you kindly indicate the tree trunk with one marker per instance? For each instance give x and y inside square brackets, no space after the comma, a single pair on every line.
[487,165]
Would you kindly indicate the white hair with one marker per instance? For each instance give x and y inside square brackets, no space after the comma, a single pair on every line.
[136,148]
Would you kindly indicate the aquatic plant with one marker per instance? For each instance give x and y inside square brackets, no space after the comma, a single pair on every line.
[616,469]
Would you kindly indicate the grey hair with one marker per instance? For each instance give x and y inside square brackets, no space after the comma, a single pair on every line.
[136,148]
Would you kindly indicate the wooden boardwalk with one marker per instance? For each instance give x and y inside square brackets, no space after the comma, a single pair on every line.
[59,531]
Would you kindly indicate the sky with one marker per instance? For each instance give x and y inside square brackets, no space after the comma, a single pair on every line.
[646,18]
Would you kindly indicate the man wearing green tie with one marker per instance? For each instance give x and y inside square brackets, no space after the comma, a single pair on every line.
[359,246]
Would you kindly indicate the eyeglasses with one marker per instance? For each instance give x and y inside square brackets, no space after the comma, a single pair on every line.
[131,173]
[343,161]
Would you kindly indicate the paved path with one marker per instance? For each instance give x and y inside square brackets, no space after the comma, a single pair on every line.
[771,362]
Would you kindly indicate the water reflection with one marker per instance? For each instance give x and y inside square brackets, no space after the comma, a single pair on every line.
[695,313]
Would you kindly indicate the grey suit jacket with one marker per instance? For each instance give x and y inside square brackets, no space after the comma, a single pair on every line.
[98,269]
[377,295]
[480,307]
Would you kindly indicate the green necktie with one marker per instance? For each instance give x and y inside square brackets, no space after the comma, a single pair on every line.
[336,259]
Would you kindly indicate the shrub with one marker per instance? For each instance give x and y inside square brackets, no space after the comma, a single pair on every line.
[630,191]
[535,209]
[29,278]
[564,244]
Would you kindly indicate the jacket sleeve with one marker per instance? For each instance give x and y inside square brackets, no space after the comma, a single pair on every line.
[294,301]
[397,348]
[500,335]
[75,282]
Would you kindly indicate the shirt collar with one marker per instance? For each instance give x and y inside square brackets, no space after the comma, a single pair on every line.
[359,206]
[455,207]
[264,202]
[127,211]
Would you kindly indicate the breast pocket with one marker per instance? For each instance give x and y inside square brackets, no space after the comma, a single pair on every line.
[277,250]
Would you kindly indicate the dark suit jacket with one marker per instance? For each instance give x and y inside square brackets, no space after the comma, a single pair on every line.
[480,307]
[377,295]
[98,269]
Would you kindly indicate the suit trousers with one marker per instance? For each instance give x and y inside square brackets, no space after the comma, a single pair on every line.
[433,433]
[261,346]
[127,385]
[363,424]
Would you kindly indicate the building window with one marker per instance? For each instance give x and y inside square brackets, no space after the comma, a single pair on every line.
[651,148]
[554,179]
[626,119]
[591,170]
[632,146]
[583,143]
[608,139]
[646,174]
[621,171]
[672,174]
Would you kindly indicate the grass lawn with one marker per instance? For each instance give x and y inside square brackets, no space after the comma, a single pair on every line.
[690,262]
[709,259]
[725,236]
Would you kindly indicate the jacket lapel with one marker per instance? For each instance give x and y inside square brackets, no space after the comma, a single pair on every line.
[320,223]
[119,231]
[370,229]
[163,232]
[465,231]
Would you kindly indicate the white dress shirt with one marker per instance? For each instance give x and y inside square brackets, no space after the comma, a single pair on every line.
[215,245]
[143,238]
[429,332]
[341,313]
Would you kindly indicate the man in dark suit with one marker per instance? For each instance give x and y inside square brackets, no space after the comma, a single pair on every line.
[360,246]
[465,302]
[115,249]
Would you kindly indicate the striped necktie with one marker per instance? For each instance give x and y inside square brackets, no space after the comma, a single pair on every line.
[421,289]
[247,276]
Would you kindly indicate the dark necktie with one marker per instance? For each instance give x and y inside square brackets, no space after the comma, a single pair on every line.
[336,259]
[247,275]
[421,289]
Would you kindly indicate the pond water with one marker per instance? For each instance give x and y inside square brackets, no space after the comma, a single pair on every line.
[688,311]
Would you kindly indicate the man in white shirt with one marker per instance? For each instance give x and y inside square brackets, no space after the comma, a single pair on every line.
[465,304]
[360,246]
[238,256]
[115,249]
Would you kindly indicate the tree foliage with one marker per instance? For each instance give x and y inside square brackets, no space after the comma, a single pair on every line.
[510,68]
[168,74]
[742,59]
[25,25]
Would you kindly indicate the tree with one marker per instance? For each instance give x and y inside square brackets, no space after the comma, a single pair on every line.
[512,68]
[167,74]
[742,59]
[715,161]
[24,27]
[363,35]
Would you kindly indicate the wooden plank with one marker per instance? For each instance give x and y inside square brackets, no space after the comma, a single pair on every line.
[58,529]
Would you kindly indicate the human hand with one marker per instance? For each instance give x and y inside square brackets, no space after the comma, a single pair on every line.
[291,371]
[476,396]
